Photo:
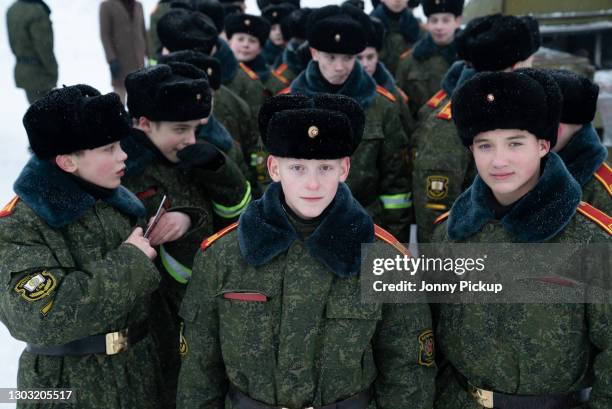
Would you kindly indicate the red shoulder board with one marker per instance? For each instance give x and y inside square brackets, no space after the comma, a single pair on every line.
[249,72]
[280,78]
[596,215]
[441,218]
[445,113]
[9,208]
[404,96]
[147,193]
[388,238]
[284,91]
[405,54]
[281,69]
[207,242]
[438,97]
[604,175]
[383,91]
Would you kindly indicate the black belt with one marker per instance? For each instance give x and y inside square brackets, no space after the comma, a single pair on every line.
[242,401]
[109,344]
[490,399]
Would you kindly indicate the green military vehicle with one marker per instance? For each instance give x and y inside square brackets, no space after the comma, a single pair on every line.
[576,35]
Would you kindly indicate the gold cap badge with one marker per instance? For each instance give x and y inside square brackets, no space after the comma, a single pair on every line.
[337,38]
[199,97]
[490,97]
[209,71]
[274,14]
[313,132]
[247,22]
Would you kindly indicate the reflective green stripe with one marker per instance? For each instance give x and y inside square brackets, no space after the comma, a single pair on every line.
[152,62]
[233,211]
[178,271]
[400,201]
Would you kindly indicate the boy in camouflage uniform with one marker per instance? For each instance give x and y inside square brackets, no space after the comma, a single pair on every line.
[420,72]
[205,190]
[443,168]
[31,40]
[239,97]
[296,54]
[77,271]
[578,144]
[403,30]
[511,356]
[246,36]
[275,44]
[380,180]
[273,315]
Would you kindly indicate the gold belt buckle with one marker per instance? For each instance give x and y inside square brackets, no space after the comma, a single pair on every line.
[483,397]
[116,342]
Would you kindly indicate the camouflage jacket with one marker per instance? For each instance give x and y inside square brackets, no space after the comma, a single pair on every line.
[248,87]
[379,177]
[212,199]
[309,340]
[260,70]
[443,167]
[585,158]
[420,73]
[31,40]
[162,8]
[525,349]
[402,32]
[67,274]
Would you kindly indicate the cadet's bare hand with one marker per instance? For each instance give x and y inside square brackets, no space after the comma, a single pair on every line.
[171,226]
[137,239]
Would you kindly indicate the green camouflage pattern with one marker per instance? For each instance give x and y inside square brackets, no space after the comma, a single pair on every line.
[443,168]
[154,44]
[102,285]
[379,168]
[31,39]
[394,46]
[312,343]
[526,349]
[252,91]
[420,80]
[195,193]
[237,117]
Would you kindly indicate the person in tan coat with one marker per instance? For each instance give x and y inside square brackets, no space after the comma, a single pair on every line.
[124,37]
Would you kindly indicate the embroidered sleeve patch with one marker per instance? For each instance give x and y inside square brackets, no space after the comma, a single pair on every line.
[437,187]
[426,348]
[37,286]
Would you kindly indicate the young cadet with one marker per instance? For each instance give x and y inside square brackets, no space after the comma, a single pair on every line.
[276,43]
[578,143]
[76,269]
[403,30]
[420,72]
[369,60]
[551,354]
[229,110]
[205,190]
[296,54]
[380,180]
[189,30]
[273,315]
[443,168]
[182,30]
[246,35]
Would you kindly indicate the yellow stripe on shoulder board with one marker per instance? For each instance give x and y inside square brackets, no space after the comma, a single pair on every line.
[405,54]
[602,219]
[9,208]
[446,112]
[437,99]
[604,175]
[384,92]
[252,75]
[388,238]
[207,242]
[441,218]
